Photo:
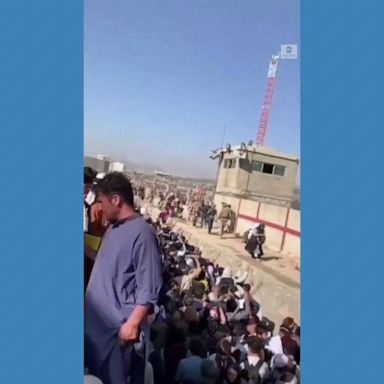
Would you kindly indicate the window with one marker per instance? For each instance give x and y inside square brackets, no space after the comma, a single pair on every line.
[278,170]
[268,168]
[271,169]
[230,163]
[257,166]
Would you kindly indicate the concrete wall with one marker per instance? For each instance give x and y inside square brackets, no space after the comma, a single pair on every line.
[266,184]
[273,214]
[249,207]
[282,224]
[242,178]
[243,225]
[294,220]
[227,177]
[232,201]
[292,246]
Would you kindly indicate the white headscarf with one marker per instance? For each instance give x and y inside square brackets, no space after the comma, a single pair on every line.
[190,263]
[280,360]
[253,231]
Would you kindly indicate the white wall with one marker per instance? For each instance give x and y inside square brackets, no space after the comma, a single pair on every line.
[116,166]
[275,218]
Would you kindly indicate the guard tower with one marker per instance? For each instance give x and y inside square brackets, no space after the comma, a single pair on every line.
[256,173]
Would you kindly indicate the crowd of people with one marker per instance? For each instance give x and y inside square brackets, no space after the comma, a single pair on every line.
[199,322]
[210,329]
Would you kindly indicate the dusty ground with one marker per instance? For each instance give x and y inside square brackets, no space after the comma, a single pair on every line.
[283,265]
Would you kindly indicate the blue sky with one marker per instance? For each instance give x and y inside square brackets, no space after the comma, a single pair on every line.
[162,78]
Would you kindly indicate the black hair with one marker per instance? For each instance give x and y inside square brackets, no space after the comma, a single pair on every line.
[182,264]
[255,344]
[286,377]
[176,336]
[194,328]
[246,287]
[261,328]
[201,275]
[239,328]
[198,291]
[117,183]
[236,354]
[197,347]
[232,289]
[89,175]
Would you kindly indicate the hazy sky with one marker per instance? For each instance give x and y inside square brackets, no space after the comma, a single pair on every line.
[162,78]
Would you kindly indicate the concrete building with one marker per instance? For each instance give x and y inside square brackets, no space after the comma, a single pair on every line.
[259,184]
[117,166]
[100,163]
[257,173]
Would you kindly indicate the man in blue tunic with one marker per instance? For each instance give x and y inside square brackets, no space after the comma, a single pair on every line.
[123,288]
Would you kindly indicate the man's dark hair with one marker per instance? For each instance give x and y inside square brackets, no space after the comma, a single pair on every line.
[261,328]
[232,289]
[247,287]
[182,264]
[176,336]
[239,329]
[201,275]
[198,291]
[255,344]
[89,175]
[117,183]
[197,347]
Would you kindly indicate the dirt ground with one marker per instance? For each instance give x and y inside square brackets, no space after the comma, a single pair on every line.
[286,266]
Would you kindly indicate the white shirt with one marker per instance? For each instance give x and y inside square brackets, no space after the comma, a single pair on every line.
[89,199]
[85,219]
[275,345]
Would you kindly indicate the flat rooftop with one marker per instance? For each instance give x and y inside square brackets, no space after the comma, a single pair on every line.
[261,150]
